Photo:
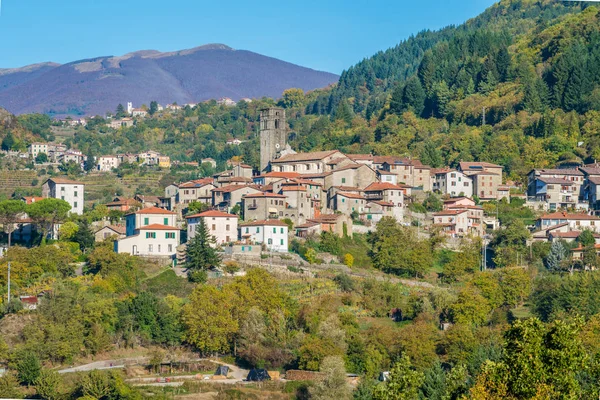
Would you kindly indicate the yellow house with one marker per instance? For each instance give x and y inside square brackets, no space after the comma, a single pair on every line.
[164,161]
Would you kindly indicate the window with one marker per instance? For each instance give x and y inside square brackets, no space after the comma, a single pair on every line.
[146,221]
[343,180]
[214,227]
[159,248]
[150,248]
[62,197]
[274,230]
[62,189]
[75,194]
[170,248]
[257,230]
[75,204]
[169,235]
[282,230]
[226,227]
[270,241]
[247,230]
[150,235]
[281,242]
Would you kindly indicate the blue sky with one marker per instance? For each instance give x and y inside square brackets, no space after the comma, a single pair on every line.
[328,35]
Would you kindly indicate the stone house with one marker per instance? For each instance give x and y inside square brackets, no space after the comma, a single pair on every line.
[347,203]
[227,197]
[452,222]
[106,232]
[306,163]
[262,206]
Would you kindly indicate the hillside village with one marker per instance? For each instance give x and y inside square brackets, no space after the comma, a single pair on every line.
[304,194]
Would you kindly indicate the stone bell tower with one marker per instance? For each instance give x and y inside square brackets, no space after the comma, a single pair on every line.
[273,135]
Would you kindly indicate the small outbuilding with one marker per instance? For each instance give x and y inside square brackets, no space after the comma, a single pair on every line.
[222,370]
[258,375]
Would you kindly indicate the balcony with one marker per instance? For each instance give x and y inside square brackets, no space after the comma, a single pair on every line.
[374,196]
[252,207]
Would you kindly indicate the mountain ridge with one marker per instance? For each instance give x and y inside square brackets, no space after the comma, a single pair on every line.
[96,85]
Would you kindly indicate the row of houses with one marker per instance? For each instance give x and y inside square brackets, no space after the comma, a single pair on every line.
[110,162]
[565,188]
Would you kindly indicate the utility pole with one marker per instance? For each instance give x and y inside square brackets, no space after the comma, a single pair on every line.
[9,282]
[483,116]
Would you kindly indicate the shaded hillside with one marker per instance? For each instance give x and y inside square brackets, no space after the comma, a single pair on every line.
[97,85]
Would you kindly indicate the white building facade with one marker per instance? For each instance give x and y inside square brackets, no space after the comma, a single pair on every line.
[64,189]
[273,234]
[221,225]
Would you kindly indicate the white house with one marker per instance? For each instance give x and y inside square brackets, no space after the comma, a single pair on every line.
[70,191]
[148,216]
[221,225]
[452,182]
[107,163]
[37,148]
[150,232]
[150,240]
[572,221]
[272,233]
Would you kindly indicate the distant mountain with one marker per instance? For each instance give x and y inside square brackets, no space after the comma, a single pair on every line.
[94,86]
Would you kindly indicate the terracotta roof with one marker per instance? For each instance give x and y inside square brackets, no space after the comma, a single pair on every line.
[306,182]
[382,172]
[121,202]
[449,212]
[382,203]
[351,166]
[580,248]
[32,199]
[279,175]
[153,210]
[590,170]
[436,171]
[212,214]
[120,229]
[455,199]
[336,160]
[259,195]
[63,181]
[196,183]
[326,218]
[158,227]
[348,188]
[376,186]
[564,215]
[235,179]
[361,157]
[298,157]
[559,171]
[556,181]
[475,165]
[233,188]
[571,234]
[350,195]
[271,222]
[316,176]
[308,224]
[594,179]
[459,207]
[293,188]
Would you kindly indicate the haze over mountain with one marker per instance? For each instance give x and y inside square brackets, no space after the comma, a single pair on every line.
[94,86]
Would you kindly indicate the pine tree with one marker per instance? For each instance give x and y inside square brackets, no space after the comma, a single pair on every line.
[556,256]
[414,95]
[120,112]
[200,254]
